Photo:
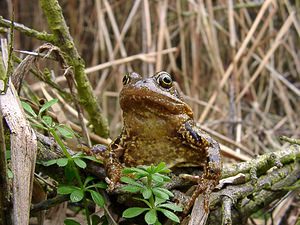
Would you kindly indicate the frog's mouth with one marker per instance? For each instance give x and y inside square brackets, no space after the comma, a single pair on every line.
[154,101]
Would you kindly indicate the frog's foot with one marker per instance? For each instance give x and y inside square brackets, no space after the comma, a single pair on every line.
[113,173]
[111,185]
[205,187]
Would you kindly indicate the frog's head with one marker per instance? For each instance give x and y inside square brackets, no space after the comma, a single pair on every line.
[153,95]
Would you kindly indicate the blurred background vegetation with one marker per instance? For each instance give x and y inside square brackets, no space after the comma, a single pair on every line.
[237,62]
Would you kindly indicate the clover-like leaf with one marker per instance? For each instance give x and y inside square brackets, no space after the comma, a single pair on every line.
[28,109]
[62,162]
[139,171]
[162,168]
[151,216]
[147,192]
[131,181]
[76,196]
[80,163]
[48,105]
[171,206]
[165,191]
[97,198]
[131,188]
[66,189]
[48,120]
[100,184]
[49,162]
[160,177]
[170,215]
[88,179]
[161,194]
[159,201]
[133,212]
[71,222]
[65,132]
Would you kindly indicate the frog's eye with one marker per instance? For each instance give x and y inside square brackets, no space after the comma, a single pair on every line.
[126,79]
[165,80]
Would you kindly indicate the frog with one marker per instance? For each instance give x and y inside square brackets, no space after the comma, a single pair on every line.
[158,126]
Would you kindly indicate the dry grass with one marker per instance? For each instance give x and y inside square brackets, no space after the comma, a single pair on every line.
[239,59]
[238,62]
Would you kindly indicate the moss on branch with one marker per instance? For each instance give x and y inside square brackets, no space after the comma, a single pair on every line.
[43,36]
[64,41]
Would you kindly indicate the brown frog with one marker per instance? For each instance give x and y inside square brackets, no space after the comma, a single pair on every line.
[159,127]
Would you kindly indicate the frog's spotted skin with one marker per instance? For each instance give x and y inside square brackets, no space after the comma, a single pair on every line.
[159,127]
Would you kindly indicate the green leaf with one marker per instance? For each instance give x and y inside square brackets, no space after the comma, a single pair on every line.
[133,212]
[170,215]
[96,220]
[62,162]
[150,169]
[145,201]
[131,188]
[48,105]
[157,178]
[161,194]
[76,196]
[131,181]
[80,163]
[97,198]
[166,191]
[67,133]
[92,158]
[78,155]
[100,184]
[159,201]
[28,109]
[150,216]
[49,163]
[71,222]
[147,193]
[66,189]
[88,179]
[135,170]
[7,154]
[48,120]
[39,126]
[162,168]
[160,177]
[69,172]
[10,174]
[171,206]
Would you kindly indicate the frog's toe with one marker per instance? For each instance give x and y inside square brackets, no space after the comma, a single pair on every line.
[192,178]
[111,185]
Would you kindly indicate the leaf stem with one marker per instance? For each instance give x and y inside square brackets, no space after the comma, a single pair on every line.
[75,169]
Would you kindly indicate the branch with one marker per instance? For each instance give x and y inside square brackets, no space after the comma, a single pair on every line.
[43,36]
[250,195]
[240,196]
[47,204]
[64,41]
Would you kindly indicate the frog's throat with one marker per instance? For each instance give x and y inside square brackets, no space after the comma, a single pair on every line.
[133,98]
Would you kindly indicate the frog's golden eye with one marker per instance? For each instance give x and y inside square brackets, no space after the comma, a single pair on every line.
[165,80]
[126,79]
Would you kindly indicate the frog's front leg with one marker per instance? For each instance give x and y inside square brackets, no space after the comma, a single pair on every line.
[113,165]
[110,158]
[208,181]
[201,141]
